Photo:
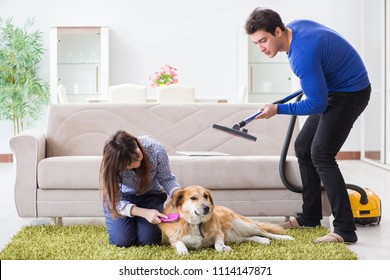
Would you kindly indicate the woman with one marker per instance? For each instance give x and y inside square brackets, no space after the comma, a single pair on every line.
[135,179]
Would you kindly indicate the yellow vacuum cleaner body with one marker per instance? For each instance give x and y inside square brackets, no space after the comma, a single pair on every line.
[365,204]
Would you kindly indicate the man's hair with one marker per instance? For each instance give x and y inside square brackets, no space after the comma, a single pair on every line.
[263,19]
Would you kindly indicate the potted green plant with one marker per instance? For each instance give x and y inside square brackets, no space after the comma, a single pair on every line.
[23,94]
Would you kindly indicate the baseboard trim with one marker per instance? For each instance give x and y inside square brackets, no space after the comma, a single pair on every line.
[374,155]
[353,155]
[6,158]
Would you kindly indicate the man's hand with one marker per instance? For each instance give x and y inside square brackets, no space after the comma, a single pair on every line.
[268,111]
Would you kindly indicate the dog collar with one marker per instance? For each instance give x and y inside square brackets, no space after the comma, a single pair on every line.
[200,230]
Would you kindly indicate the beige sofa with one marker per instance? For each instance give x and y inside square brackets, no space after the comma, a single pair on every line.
[58,172]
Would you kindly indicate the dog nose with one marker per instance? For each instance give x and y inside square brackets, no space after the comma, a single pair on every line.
[206,209]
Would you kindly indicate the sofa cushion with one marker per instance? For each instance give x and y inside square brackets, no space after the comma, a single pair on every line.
[215,172]
[233,172]
[71,172]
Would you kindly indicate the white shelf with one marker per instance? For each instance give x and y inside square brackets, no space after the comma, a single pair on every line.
[78,63]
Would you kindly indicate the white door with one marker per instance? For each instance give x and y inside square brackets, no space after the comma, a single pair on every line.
[373,53]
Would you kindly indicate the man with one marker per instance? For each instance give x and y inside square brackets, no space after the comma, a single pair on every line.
[337,90]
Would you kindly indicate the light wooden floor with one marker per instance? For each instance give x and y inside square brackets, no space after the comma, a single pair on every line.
[373,244]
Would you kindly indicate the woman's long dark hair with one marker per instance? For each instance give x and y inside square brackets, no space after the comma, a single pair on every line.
[119,152]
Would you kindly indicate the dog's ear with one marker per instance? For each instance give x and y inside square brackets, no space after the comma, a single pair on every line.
[177,198]
[208,192]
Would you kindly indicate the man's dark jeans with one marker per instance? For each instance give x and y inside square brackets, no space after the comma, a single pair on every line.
[316,147]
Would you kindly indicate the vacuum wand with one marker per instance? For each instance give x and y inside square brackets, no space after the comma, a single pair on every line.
[236,129]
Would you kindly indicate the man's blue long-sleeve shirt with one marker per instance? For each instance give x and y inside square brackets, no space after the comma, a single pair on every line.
[324,62]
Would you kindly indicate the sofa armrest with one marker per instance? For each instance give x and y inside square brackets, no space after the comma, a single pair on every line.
[29,147]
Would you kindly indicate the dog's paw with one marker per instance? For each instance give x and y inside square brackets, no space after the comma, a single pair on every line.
[181,249]
[182,253]
[222,248]
[226,248]
[287,237]
[261,240]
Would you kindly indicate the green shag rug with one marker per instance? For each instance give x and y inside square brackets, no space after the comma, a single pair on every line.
[90,242]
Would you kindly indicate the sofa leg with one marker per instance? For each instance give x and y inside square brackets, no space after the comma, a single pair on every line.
[57,221]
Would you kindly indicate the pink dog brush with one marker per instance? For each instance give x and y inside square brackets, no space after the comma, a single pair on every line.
[171,218]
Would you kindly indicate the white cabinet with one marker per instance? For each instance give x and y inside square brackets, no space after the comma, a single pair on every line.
[79,60]
[268,79]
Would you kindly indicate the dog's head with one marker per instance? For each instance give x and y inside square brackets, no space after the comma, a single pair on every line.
[194,204]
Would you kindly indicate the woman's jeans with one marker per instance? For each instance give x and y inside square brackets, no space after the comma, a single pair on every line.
[126,231]
[316,147]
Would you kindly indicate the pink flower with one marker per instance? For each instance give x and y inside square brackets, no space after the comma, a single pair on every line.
[166,76]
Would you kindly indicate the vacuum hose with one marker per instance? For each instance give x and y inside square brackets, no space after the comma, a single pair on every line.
[280,101]
[363,195]
[283,156]
[282,164]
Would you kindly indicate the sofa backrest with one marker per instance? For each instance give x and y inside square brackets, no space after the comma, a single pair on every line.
[82,129]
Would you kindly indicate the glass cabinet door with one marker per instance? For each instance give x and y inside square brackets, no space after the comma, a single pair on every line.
[79,62]
[268,79]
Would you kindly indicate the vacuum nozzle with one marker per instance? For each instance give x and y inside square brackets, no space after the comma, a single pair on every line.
[236,131]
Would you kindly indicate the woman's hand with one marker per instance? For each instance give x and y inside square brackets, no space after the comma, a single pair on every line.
[151,215]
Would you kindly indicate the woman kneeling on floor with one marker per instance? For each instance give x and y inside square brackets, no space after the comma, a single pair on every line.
[135,178]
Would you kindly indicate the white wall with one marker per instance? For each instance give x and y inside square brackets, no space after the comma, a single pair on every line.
[199,37]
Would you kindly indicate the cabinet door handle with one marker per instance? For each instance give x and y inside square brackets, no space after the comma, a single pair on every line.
[251,78]
[97,79]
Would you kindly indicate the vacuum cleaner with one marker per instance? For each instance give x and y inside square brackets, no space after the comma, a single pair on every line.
[365,203]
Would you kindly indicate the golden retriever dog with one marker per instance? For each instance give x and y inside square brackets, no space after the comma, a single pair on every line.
[203,224]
